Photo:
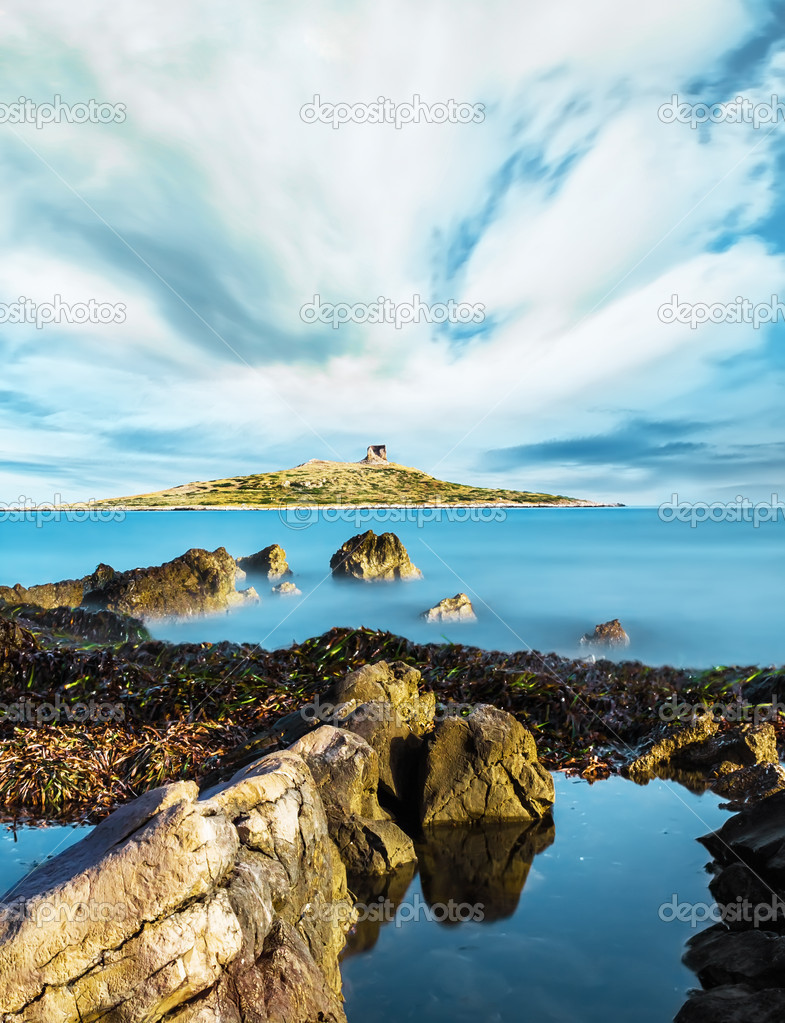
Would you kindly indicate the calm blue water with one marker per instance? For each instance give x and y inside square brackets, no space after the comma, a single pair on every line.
[582,941]
[540,578]
[585,944]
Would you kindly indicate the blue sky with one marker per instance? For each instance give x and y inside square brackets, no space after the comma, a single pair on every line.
[571,212]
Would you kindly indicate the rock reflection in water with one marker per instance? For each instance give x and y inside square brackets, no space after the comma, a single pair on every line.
[483,866]
[480,866]
[388,891]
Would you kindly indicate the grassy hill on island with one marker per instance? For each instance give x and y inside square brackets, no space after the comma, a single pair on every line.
[333,483]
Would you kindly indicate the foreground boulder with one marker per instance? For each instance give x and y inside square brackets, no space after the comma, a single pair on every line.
[383,704]
[451,609]
[198,582]
[270,562]
[346,770]
[373,558]
[609,634]
[483,767]
[199,911]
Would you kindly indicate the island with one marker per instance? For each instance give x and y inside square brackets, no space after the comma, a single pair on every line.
[372,481]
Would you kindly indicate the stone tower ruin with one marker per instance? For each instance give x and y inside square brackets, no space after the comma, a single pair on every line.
[376,453]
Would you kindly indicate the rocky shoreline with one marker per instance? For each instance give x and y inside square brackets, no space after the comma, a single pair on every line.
[351,748]
[232,904]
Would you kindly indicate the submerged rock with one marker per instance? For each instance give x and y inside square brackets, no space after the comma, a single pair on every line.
[373,558]
[609,634]
[483,767]
[270,562]
[451,609]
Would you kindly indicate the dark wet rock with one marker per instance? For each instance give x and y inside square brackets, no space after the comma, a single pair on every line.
[451,609]
[220,909]
[609,634]
[270,562]
[483,767]
[738,890]
[287,590]
[481,865]
[753,957]
[383,704]
[198,582]
[755,836]
[346,771]
[373,558]
[733,1004]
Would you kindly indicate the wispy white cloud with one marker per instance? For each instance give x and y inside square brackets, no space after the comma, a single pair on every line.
[214,212]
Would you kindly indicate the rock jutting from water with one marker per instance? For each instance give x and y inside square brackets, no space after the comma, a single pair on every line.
[198,582]
[270,562]
[287,589]
[372,558]
[608,635]
[451,609]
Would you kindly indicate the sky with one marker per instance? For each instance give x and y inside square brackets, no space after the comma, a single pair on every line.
[212,208]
